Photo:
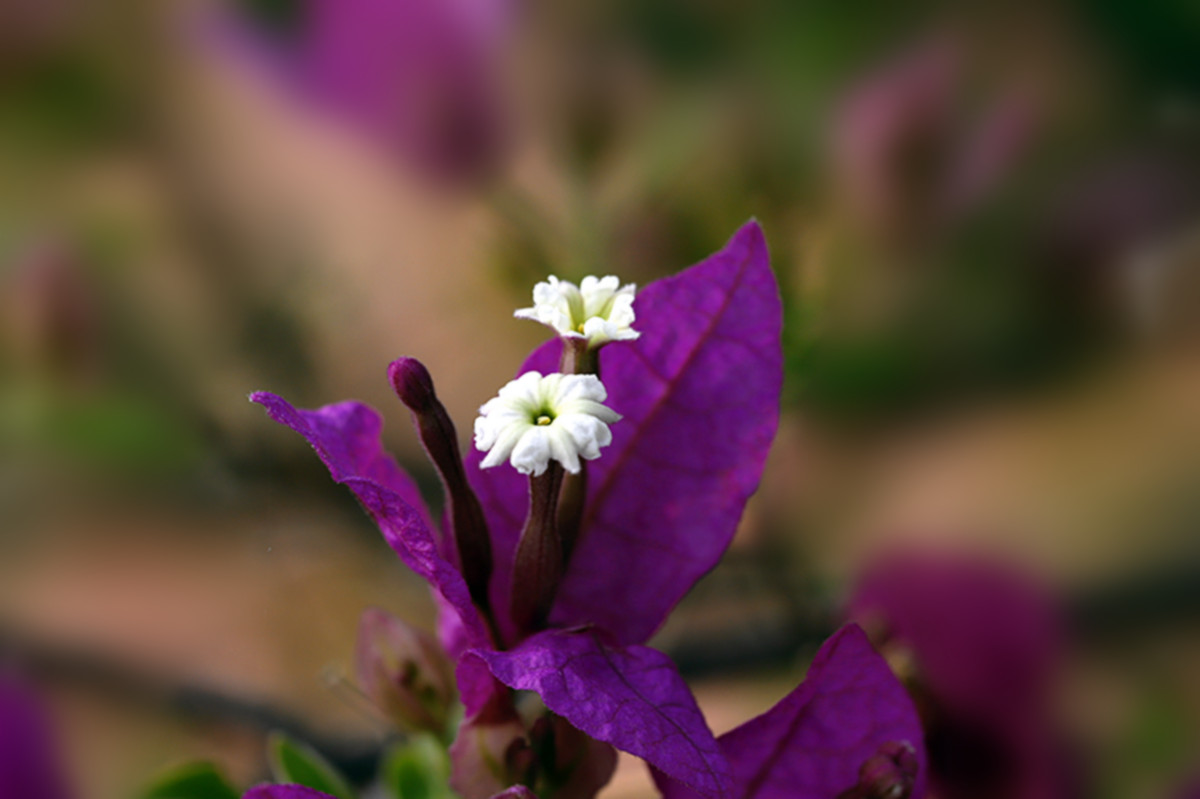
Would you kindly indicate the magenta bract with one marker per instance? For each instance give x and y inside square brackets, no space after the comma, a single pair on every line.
[699,397]
[814,742]
[29,766]
[699,393]
[346,438]
[631,697]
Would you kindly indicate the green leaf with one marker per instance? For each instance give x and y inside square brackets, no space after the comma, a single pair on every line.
[292,761]
[190,781]
[418,769]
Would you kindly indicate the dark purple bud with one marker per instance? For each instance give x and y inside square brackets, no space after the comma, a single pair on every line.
[890,774]
[414,386]
[405,672]
[538,563]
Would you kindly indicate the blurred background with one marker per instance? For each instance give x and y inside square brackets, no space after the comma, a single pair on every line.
[985,219]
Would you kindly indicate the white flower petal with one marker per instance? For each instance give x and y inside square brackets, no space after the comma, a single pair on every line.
[599,309]
[531,455]
[538,418]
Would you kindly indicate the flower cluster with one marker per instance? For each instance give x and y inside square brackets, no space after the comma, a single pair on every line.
[557,566]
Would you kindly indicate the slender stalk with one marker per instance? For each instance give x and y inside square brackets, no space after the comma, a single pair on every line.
[414,386]
[538,564]
[577,358]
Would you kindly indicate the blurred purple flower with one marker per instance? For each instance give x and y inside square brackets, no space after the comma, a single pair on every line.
[699,395]
[29,765]
[417,78]
[902,159]
[419,75]
[979,644]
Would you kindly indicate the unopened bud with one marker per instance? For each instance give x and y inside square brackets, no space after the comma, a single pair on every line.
[890,773]
[414,386]
[405,672]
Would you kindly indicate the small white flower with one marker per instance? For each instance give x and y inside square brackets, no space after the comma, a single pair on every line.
[596,309]
[537,419]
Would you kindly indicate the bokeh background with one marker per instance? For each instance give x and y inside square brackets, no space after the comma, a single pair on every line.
[985,219]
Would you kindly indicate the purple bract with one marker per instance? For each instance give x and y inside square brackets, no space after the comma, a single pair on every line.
[699,395]
[29,766]
[812,744]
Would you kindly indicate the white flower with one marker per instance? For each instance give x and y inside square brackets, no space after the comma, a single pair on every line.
[535,419]
[596,309]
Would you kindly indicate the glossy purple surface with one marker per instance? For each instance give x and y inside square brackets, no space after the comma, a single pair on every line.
[631,697]
[812,744]
[699,393]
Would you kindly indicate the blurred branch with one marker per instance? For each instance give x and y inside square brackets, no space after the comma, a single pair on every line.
[771,635]
[136,687]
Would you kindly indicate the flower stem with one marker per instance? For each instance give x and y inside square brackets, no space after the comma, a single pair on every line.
[577,358]
[414,386]
[538,564]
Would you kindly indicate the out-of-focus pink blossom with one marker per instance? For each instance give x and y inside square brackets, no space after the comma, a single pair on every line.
[416,75]
[29,765]
[419,79]
[903,159]
[978,645]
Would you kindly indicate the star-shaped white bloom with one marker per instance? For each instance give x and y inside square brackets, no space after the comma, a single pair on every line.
[536,419]
[598,309]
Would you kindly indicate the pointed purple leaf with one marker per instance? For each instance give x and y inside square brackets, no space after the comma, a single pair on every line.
[285,792]
[699,392]
[812,744]
[29,766]
[346,438]
[631,697]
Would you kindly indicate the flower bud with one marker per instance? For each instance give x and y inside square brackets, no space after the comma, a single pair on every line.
[890,773]
[413,384]
[405,672]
